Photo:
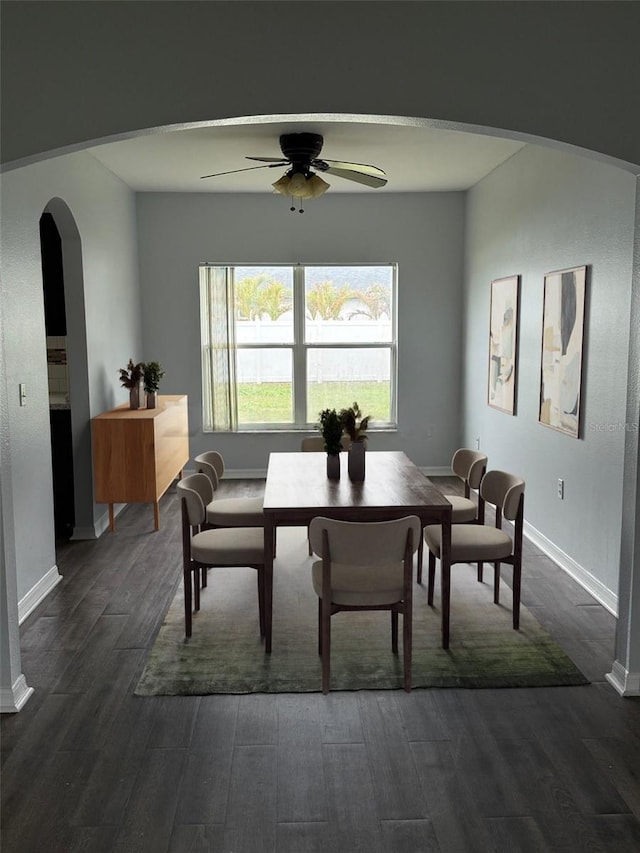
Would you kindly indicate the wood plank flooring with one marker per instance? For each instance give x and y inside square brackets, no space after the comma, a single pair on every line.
[88,766]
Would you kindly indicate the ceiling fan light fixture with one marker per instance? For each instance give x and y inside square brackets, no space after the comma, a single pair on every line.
[299,185]
[282,185]
[316,186]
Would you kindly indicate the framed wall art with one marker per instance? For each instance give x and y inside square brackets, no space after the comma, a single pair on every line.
[503,343]
[562,343]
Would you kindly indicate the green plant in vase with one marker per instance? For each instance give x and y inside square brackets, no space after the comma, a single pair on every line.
[330,426]
[152,374]
[131,378]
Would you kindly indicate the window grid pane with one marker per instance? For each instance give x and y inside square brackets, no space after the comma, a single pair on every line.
[312,337]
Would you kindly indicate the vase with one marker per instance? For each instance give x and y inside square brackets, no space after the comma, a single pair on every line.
[152,399]
[333,466]
[356,458]
[135,395]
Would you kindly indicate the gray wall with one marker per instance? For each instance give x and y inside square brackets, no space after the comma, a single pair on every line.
[543,211]
[104,211]
[422,232]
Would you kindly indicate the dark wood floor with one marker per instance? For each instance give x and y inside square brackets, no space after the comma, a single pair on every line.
[88,766]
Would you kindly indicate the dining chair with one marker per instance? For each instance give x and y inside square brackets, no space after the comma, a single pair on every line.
[480,543]
[470,467]
[204,548]
[364,566]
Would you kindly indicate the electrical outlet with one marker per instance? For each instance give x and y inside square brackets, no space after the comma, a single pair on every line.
[477,444]
[23,394]
[561,489]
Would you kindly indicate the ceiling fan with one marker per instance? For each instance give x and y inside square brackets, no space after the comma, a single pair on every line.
[301,153]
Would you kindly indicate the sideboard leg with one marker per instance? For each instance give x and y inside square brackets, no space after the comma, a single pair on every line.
[112,519]
[156,515]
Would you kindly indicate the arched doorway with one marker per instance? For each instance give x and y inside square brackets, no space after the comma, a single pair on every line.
[69,394]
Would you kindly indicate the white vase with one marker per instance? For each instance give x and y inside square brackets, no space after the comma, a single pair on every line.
[356,461]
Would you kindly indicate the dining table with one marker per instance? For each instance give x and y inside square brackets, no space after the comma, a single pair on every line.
[297,489]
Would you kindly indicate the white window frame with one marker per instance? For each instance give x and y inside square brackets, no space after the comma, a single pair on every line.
[299,347]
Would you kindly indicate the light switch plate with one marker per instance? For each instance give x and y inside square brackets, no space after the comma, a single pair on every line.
[23,394]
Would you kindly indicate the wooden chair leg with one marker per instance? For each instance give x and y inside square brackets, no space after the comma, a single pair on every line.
[432,578]
[196,589]
[261,601]
[517,582]
[394,632]
[309,542]
[320,627]
[205,572]
[420,557]
[496,583]
[326,646]
[407,634]
[480,572]
[187,601]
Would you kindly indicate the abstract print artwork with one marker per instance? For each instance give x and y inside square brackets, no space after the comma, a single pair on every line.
[503,334]
[561,363]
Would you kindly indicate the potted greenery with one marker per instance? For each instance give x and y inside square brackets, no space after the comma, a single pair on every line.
[331,428]
[355,425]
[131,378]
[152,374]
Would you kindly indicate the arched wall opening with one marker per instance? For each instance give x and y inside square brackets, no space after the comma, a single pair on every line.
[78,376]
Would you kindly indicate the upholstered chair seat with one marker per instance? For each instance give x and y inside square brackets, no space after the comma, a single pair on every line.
[234,546]
[463,510]
[235,512]
[469,544]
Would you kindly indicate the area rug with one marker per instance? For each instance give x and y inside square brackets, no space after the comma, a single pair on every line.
[225,654]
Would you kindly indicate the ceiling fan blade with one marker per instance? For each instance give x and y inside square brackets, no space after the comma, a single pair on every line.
[280,160]
[355,167]
[369,180]
[246,169]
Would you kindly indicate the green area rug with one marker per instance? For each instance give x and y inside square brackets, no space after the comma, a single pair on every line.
[225,654]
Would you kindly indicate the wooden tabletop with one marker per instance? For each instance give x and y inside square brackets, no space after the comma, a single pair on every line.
[297,486]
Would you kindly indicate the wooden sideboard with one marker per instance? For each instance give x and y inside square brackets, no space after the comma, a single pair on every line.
[137,453]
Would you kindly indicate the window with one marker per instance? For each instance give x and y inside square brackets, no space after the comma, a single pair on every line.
[281,343]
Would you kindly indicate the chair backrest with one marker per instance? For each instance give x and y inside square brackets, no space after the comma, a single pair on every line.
[315,443]
[211,463]
[365,543]
[504,491]
[312,444]
[196,491]
[469,465]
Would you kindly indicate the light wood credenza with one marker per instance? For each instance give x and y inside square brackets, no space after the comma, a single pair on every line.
[137,453]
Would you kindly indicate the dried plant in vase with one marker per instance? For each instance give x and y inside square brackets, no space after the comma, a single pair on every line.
[131,378]
[355,425]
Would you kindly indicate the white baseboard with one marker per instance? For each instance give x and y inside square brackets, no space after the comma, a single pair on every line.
[243,473]
[625,682]
[38,593]
[601,593]
[13,699]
